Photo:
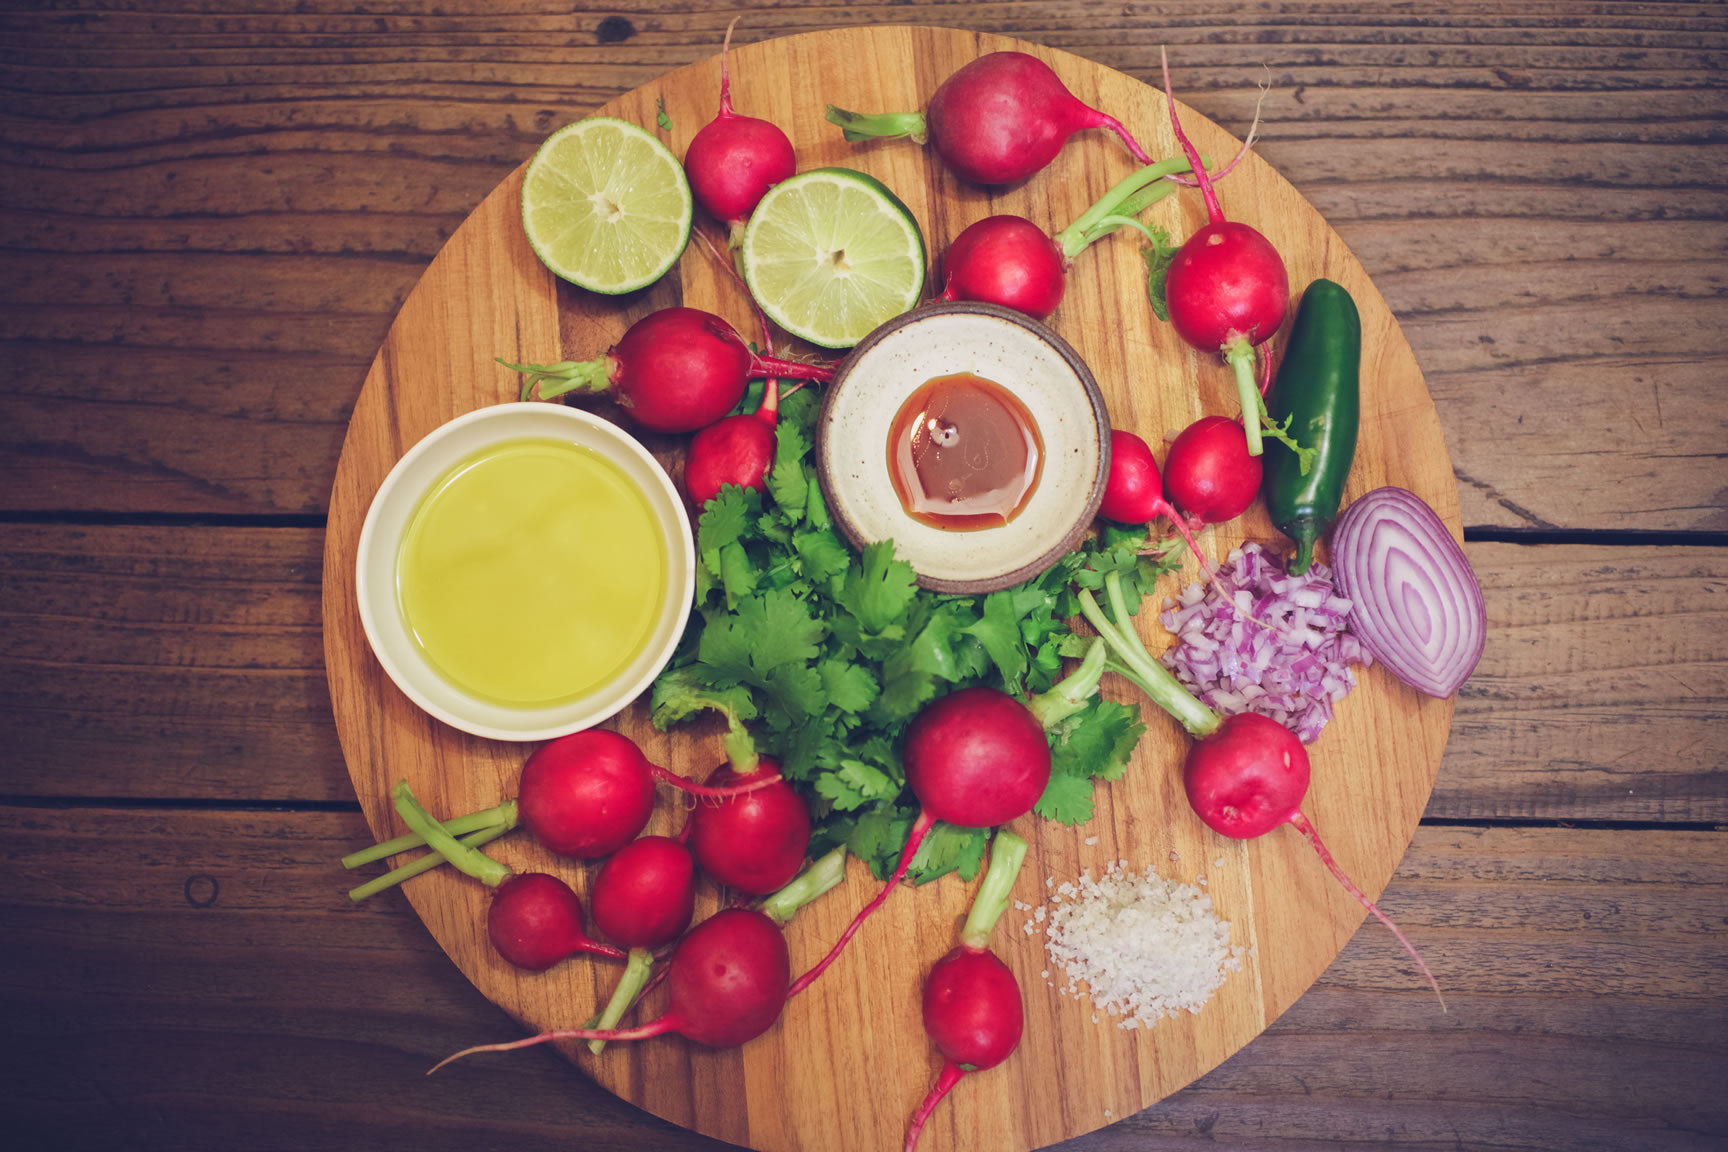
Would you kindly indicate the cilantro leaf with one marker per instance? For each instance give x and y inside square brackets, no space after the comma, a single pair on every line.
[949,849]
[1067,799]
[660,117]
[853,783]
[998,630]
[1098,742]
[849,687]
[880,589]
[786,481]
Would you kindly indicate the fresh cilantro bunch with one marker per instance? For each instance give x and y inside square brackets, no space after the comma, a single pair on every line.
[820,657]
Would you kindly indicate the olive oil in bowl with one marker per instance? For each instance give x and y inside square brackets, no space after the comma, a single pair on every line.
[532,573]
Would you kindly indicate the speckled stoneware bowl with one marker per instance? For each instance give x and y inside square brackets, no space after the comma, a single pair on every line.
[1023,356]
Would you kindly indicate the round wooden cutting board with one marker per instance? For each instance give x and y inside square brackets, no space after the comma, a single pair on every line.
[848,1061]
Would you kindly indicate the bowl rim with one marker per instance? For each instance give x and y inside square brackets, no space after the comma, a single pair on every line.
[609,699]
[1089,384]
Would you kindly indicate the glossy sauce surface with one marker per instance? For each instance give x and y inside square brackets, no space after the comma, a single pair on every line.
[964,453]
[532,573]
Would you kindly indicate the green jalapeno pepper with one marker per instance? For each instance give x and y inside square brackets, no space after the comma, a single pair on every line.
[1317,391]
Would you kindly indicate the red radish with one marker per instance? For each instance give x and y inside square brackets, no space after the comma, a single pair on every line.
[999,119]
[976,758]
[1006,260]
[643,898]
[972,1005]
[1246,774]
[535,920]
[780,907]
[727,984]
[588,794]
[737,450]
[1209,472]
[753,843]
[645,893]
[675,370]
[734,159]
[1227,288]
[1009,260]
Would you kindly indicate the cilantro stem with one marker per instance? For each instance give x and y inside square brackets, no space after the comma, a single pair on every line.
[825,873]
[1007,853]
[1141,669]
[470,860]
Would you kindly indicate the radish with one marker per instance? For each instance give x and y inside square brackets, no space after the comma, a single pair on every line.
[1246,774]
[535,920]
[1226,290]
[972,1004]
[737,450]
[675,370]
[734,159]
[1009,260]
[645,893]
[755,842]
[588,794]
[1134,494]
[727,982]
[1210,472]
[643,898]
[822,875]
[975,758]
[999,119]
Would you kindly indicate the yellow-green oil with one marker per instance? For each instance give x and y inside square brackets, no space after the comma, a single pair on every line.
[532,573]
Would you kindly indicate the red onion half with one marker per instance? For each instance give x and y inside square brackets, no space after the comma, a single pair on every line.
[1415,603]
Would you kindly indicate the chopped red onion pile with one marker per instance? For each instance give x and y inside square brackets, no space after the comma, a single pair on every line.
[1292,667]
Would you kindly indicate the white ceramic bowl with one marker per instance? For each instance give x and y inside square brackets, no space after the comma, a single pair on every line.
[393,507]
[1023,356]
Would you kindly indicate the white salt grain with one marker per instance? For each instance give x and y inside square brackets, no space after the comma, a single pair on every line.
[1143,946]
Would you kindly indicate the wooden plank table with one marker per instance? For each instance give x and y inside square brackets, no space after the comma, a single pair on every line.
[210,215]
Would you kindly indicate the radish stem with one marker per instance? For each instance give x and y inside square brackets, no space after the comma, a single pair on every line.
[424,863]
[823,874]
[1131,195]
[1006,855]
[636,971]
[1138,667]
[858,126]
[502,817]
[470,860]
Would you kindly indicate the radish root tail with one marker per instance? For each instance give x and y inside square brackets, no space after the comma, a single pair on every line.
[951,1073]
[920,828]
[652,1028]
[1306,827]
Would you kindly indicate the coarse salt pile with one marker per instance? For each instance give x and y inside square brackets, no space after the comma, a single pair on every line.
[1143,946]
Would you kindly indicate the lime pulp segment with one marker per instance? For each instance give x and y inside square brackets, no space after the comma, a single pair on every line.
[606,205]
[830,254]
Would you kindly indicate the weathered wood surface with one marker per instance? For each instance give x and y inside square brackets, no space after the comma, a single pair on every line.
[208,218]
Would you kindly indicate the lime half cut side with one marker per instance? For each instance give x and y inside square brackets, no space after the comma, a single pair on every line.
[606,205]
[830,254]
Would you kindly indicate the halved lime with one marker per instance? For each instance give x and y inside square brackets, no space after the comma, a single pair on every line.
[606,205]
[830,254]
